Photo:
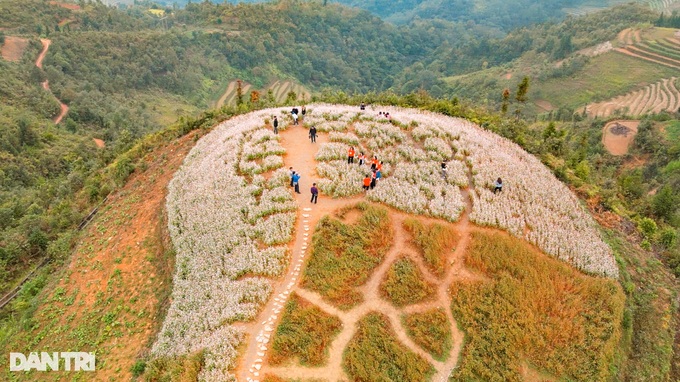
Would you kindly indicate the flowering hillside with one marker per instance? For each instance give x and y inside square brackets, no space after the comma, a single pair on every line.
[533,205]
[226,222]
[230,214]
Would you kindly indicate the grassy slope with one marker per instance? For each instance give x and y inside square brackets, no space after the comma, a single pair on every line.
[110,298]
[536,310]
[604,77]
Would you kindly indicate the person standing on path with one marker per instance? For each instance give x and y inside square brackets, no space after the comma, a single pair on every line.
[276,125]
[304,110]
[295,118]
[296,182]
[315,193]
[350,155]
[373,179]
[291,172]
[312,134]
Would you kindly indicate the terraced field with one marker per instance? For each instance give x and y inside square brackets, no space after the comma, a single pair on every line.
[664,5]
[663,51]
[280,90]
[229,95]
[655,98]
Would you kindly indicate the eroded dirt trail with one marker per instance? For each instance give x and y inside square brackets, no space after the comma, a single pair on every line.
[299,155]
[46,84]
[253,366]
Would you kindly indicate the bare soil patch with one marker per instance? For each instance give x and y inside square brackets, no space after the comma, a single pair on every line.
[618,135]
[13,48]
[100,143]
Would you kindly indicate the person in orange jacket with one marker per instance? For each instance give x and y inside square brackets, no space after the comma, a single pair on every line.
[350,155]
[367,182]
[374,163]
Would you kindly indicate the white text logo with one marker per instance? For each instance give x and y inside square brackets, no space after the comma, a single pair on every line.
[76,361]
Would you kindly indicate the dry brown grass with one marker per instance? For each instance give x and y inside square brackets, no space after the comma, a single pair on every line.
[431,330]
[404,284]
[434,241]
[344,256]
[535,308]
[305,332]
[374,354]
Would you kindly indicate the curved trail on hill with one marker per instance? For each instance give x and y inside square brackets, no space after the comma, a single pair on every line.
[253,362]
[46,84]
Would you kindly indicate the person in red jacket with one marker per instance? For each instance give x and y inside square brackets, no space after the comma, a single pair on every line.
[350,155]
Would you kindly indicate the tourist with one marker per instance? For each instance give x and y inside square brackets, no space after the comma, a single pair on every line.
[362,106]
[350,155]
[362,158]
[373,178]
[315,193]
[295,119]
[374,163]
[276,125]
[367,182]
[296,182]
[498,186]
[312,134]
[291,172]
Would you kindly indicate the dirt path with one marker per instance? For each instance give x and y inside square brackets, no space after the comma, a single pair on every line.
[46,84]
[300,155]
[252,365]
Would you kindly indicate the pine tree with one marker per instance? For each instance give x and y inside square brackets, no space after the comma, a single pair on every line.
[522,90]
[239,92]
[506,98]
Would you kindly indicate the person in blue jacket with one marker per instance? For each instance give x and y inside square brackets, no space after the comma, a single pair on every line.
[296,182]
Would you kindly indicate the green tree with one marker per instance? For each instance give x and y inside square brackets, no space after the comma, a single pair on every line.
[522,90]
[506,99]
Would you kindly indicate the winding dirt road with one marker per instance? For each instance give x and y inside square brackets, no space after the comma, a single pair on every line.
[46,84]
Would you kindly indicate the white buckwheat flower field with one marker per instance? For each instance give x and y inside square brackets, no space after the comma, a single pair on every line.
[231,214]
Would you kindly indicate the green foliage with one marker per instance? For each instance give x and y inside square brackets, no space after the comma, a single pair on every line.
[305,332]
[404,284]
[435,242]
[374,354]
[431,330]
[343,256]
[138,368]
[648,227]
[534,309]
